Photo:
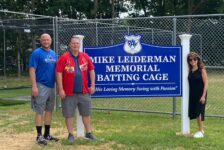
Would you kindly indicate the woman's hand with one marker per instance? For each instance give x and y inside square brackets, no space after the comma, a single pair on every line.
[202,100]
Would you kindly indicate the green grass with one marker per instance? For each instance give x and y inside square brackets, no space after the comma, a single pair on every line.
[147,104]
[11,102]
[12,94]
[214,105]
[9,82]
[116,130]
[15,93]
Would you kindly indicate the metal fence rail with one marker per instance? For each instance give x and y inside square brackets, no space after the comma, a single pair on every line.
[207,40]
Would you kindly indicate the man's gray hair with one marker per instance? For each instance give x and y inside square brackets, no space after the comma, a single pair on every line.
[75,37]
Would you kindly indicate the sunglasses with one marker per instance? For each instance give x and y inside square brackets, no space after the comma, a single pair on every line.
[193,59]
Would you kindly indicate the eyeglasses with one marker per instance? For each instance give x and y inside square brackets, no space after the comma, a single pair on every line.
[193,59]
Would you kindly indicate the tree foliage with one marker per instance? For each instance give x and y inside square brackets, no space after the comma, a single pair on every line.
[80,9]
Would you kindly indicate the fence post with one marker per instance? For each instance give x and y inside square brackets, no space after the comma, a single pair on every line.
[174,42]
[80,126]
[97,40]
[152,36]
[4,53]
[185,122]
[56,47]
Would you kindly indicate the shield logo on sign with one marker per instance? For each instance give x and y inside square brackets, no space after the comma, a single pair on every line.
[132,44]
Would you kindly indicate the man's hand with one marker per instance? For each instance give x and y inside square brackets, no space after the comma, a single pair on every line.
[62,94]
[35,91]
[92,89]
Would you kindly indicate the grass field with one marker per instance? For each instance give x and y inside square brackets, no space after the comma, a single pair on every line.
[214,105]
[115,130]
[14,82]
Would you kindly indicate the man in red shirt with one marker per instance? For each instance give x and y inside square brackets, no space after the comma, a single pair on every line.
[72,77]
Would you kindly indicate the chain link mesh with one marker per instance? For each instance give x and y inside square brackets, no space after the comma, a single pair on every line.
[19,35]
[207,40]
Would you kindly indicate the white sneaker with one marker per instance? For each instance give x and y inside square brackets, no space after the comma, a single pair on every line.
[199,134]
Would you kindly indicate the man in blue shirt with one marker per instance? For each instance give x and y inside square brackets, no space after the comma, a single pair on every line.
[42,74]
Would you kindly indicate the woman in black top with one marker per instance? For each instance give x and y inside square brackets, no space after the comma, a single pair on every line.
[198,84]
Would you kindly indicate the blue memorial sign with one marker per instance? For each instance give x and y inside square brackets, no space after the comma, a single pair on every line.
[135,69]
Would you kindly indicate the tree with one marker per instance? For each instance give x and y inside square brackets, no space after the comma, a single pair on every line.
[176,7]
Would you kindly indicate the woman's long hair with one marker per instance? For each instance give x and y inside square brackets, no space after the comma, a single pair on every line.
[195,55]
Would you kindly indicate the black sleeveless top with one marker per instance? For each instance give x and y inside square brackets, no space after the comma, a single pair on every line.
[196,87]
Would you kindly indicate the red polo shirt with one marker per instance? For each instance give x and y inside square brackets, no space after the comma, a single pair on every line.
[66,66]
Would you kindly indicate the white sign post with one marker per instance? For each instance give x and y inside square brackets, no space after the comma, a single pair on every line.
[80,126]
[185,122]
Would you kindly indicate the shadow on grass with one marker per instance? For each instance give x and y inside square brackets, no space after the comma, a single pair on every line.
[11,102]
[81,141]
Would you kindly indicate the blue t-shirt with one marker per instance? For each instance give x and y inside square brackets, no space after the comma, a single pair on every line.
[44,62]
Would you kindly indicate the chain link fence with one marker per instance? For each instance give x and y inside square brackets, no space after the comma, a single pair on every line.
[19,36]
[207,40]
